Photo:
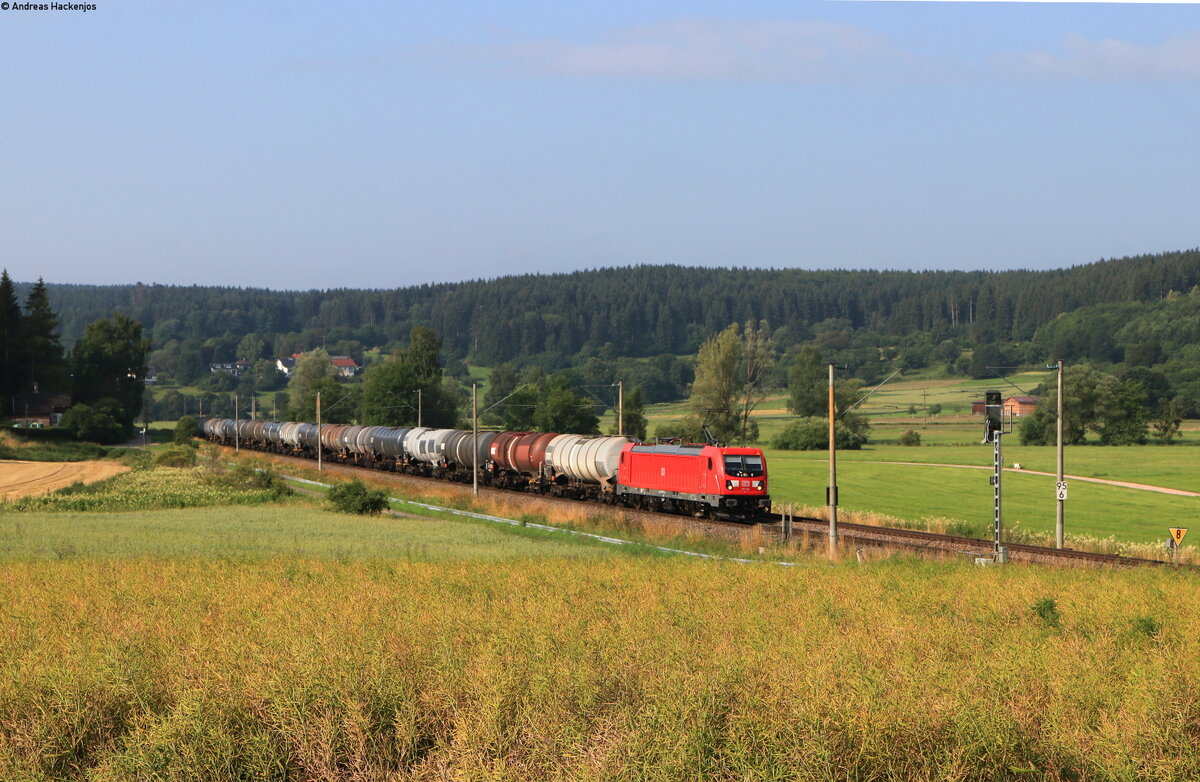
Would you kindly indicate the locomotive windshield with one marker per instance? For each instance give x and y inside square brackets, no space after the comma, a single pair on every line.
[743,465]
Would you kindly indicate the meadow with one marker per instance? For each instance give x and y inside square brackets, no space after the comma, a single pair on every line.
[275,640]
[593,668]
[888,483]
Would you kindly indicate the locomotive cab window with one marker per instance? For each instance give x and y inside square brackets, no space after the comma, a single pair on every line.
[743,465]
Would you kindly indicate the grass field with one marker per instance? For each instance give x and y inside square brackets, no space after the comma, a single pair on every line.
[270,532]
[870,484]
[611,668]
[279,641]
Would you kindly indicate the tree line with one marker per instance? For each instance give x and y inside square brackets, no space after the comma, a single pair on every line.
[639,311]
[104,372]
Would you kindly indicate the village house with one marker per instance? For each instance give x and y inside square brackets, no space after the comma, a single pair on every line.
[345,365]
[39,409]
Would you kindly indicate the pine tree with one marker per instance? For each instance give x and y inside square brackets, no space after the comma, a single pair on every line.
[10,340]
[44,365]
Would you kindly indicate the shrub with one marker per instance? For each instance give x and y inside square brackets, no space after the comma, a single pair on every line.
[355,497]
[812,434]
[94,424]
[176,456]
[133,458]
[241,477]
[185,431]
[911,437]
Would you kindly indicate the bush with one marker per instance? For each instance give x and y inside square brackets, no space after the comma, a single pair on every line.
[243,478]
[94,424]
[176,456]
[812,434]
[911,437]
[355,497]
[185,431]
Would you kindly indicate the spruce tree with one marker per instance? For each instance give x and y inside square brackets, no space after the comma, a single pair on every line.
[10,340]
[44,365]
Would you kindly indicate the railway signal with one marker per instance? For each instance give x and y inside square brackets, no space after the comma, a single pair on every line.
[993,431]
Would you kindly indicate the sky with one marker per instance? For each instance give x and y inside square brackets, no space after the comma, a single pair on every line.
[295,145]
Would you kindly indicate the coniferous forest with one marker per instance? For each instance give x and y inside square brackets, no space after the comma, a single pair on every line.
[1138,312]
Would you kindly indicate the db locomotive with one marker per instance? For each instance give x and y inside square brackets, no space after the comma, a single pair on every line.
[700,480]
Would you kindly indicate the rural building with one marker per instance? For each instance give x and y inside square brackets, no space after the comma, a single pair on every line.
[235,368]
[345,365]
[1018,406]
[39,409]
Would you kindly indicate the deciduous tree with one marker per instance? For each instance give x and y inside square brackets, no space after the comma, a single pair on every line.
[109,362]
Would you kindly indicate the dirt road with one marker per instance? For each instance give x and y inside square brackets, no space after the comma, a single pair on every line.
[21,479]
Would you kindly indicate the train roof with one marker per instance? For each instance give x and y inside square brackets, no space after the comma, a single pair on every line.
[688,449]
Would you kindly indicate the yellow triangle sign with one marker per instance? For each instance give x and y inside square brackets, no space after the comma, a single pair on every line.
[1177,534]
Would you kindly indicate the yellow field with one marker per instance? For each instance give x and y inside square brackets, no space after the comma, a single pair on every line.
[594,669]
[25,479]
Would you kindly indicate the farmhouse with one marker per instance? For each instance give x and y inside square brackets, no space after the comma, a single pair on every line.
[39,409]
[1018,406]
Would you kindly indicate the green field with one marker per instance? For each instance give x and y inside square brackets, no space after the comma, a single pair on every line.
[272,532]
[870,484]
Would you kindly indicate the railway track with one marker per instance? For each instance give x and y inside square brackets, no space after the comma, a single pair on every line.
[769,531]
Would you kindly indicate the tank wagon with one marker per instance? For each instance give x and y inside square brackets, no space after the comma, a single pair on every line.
[703,480]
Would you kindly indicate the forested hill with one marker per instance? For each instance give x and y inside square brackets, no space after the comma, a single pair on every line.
[642,310]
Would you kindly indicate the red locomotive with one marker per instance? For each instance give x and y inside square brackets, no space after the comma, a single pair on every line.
[691,478]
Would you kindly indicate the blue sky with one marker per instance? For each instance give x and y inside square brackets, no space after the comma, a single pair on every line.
[306,145]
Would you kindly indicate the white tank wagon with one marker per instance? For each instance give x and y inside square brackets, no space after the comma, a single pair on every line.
[580,465]
[427,447]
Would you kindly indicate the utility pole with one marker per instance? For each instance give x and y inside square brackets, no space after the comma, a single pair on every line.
[1059,524]
[318,431]
[475,439]
[620,408]
[924,411]
[418,407]
[254,407]
[831,493]
[237,446]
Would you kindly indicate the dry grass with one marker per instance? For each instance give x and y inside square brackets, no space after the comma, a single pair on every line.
[615,669]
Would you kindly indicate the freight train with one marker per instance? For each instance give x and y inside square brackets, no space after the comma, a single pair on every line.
[700,480]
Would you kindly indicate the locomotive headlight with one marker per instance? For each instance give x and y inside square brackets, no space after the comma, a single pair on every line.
[757,484]
[730,484]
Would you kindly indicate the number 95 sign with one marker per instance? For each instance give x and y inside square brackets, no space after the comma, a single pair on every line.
[1060,489]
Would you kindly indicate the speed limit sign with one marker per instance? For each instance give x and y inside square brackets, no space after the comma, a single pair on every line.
[1061,489]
